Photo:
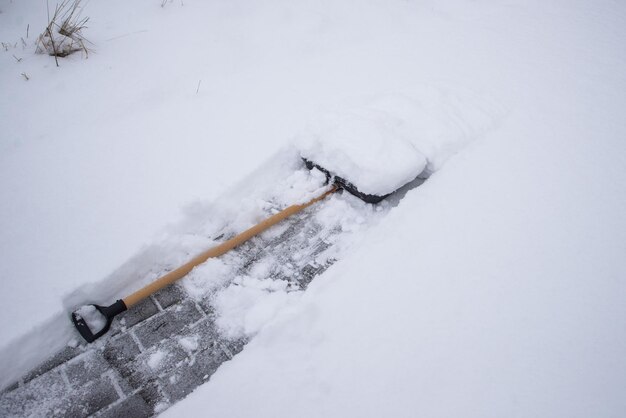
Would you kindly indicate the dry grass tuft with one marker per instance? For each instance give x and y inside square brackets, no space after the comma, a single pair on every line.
[64,34]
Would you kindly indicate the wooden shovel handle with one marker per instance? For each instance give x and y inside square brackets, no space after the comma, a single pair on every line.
[216,251]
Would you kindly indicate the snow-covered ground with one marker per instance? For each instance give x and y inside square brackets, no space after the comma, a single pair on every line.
[496,288]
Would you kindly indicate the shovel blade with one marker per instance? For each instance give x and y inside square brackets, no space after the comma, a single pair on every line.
[345,184]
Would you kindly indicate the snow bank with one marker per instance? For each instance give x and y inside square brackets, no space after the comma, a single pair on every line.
[249,304]
[386,143]
[496,288]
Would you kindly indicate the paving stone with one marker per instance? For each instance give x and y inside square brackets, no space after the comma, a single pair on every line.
[233,347]
[291,231]
[320,246]
[158,361]
[308,273]
[206,331]
[66,354]
[252,248]
[206,304]
[137,313]
[152,394]
[86,368]
[92,398]
[169,295]
[37,397]
[132,407]
[191,375]
[121,382]
[120,352]
[167,323]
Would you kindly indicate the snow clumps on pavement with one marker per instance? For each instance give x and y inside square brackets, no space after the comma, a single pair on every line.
[249,304]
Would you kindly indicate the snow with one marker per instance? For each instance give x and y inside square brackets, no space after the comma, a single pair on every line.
[497,287]
[494,289]
[248,304]
[155,359]
[302,186]
[206,278]
[94,319]
[189,343]
[387,142]
[366,148]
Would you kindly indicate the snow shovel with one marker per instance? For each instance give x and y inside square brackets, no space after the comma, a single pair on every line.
[93,321]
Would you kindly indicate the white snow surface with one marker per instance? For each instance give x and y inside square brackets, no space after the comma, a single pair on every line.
[496,288]
[155,359]
[389,140]
[246,306]
[189,343]
[365,147]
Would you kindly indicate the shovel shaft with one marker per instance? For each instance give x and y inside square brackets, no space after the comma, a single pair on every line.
[217,251]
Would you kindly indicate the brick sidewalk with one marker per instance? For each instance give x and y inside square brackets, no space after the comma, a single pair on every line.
[162,349]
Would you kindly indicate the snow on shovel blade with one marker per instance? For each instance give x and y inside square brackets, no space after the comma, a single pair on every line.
[345,184]
[93,321]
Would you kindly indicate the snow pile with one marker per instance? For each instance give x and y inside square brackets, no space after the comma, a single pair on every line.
[300,187]
[440,120]
[249,304]
[94,319]
[366,147]
[189,343]
[156,359]
[381,146]
[206,278]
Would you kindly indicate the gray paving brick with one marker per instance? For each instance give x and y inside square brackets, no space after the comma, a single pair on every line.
[167,323]
[152,394]
[67,353]
[159,361]
[206,333]
[206,304]
[191,375]
[86,368]
[319,247]
[140,312]
[120,352]
[233,347]
[249,252]
[37,397]
[308,273]
[132,407]
[169,295]
[92,398]
[121,382]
